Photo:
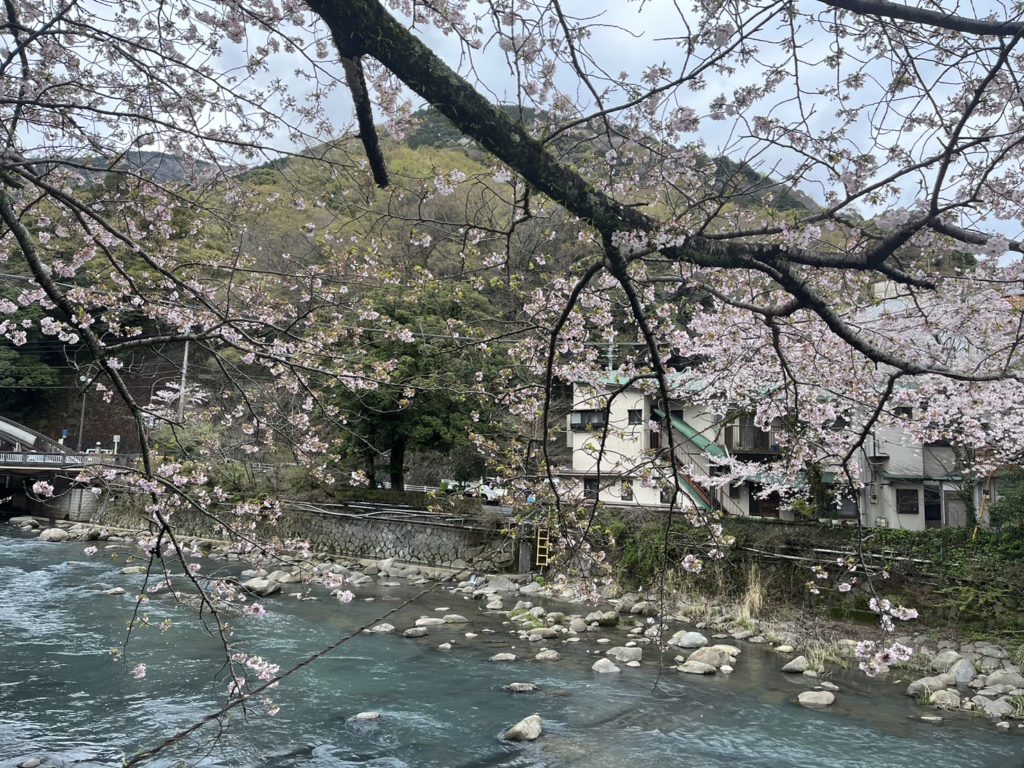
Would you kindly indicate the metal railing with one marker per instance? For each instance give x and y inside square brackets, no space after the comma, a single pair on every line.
[741,438]
[62,459]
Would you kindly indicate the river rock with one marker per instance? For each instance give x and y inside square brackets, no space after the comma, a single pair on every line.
[684,639]
[964,671]
[548,655]
[416,632]
[708,655]
[816,698]
[542,633]
[732,650]
[993,708]
[520,687]
[260,587]
[945,699]
[624,655]
[113,591]
[494,605]
[54,534]
[455,618]
[500,584]
[23,520]
[503,657]
[578,625]
[994,651]
[1005,677]
[697,668]
[603,618]
[531,589]
[429,621]
[925,685]
[604,667]
[527,729]
[284,577]
[944,659]
[366,717]
[382,628]
[32,762]
[799,664]
[784,648]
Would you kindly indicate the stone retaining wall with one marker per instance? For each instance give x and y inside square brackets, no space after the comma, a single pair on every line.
[414,538]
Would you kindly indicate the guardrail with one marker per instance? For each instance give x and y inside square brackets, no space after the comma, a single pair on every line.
[62,459]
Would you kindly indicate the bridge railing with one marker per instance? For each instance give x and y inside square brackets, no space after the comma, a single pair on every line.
[62,459]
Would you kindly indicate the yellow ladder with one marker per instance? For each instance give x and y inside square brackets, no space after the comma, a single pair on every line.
[542,550]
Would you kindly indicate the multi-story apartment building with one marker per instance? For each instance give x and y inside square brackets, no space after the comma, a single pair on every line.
[619,456]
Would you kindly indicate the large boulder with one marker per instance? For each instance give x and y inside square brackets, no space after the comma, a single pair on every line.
[429,621]
[416,632]
[799,664]
[548,655]
[926,685]
[261,587]
[532,588]
[542,633]
[1005,677]
[964,671]
[697,668]
[527,729]
[685,639]
[993,651]
[624,655]
[945,699]
[816,698]
[578,625]
[709,655]
[604,667]
[54,534]
[994,708]
[500,584]
[944,659]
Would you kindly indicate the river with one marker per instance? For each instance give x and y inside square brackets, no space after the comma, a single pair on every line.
[62,696]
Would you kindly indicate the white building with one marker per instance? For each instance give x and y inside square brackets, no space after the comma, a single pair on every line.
[619,456]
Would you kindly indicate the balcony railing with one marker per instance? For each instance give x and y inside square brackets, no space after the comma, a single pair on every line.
[743,438]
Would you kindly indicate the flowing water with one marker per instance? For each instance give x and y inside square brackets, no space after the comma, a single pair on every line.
[63,698]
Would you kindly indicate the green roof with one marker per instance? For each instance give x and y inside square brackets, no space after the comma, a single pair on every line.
[691,434]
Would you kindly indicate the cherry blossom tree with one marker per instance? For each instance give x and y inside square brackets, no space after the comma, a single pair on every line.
[814,205]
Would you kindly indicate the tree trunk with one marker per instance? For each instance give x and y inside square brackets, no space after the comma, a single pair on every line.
[370,467]
[396,463]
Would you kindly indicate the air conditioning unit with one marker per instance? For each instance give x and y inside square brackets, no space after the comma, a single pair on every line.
[881,522]
[873,498]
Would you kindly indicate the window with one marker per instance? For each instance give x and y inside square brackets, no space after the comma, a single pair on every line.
[627,491]
[655,440]
[635,416]
[582,421]
[590,488]
[907,501]
[904,411]
[667,494]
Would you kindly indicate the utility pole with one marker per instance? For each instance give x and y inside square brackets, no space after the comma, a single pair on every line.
[181,388]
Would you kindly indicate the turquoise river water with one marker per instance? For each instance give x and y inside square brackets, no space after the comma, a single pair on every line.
[62,697]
